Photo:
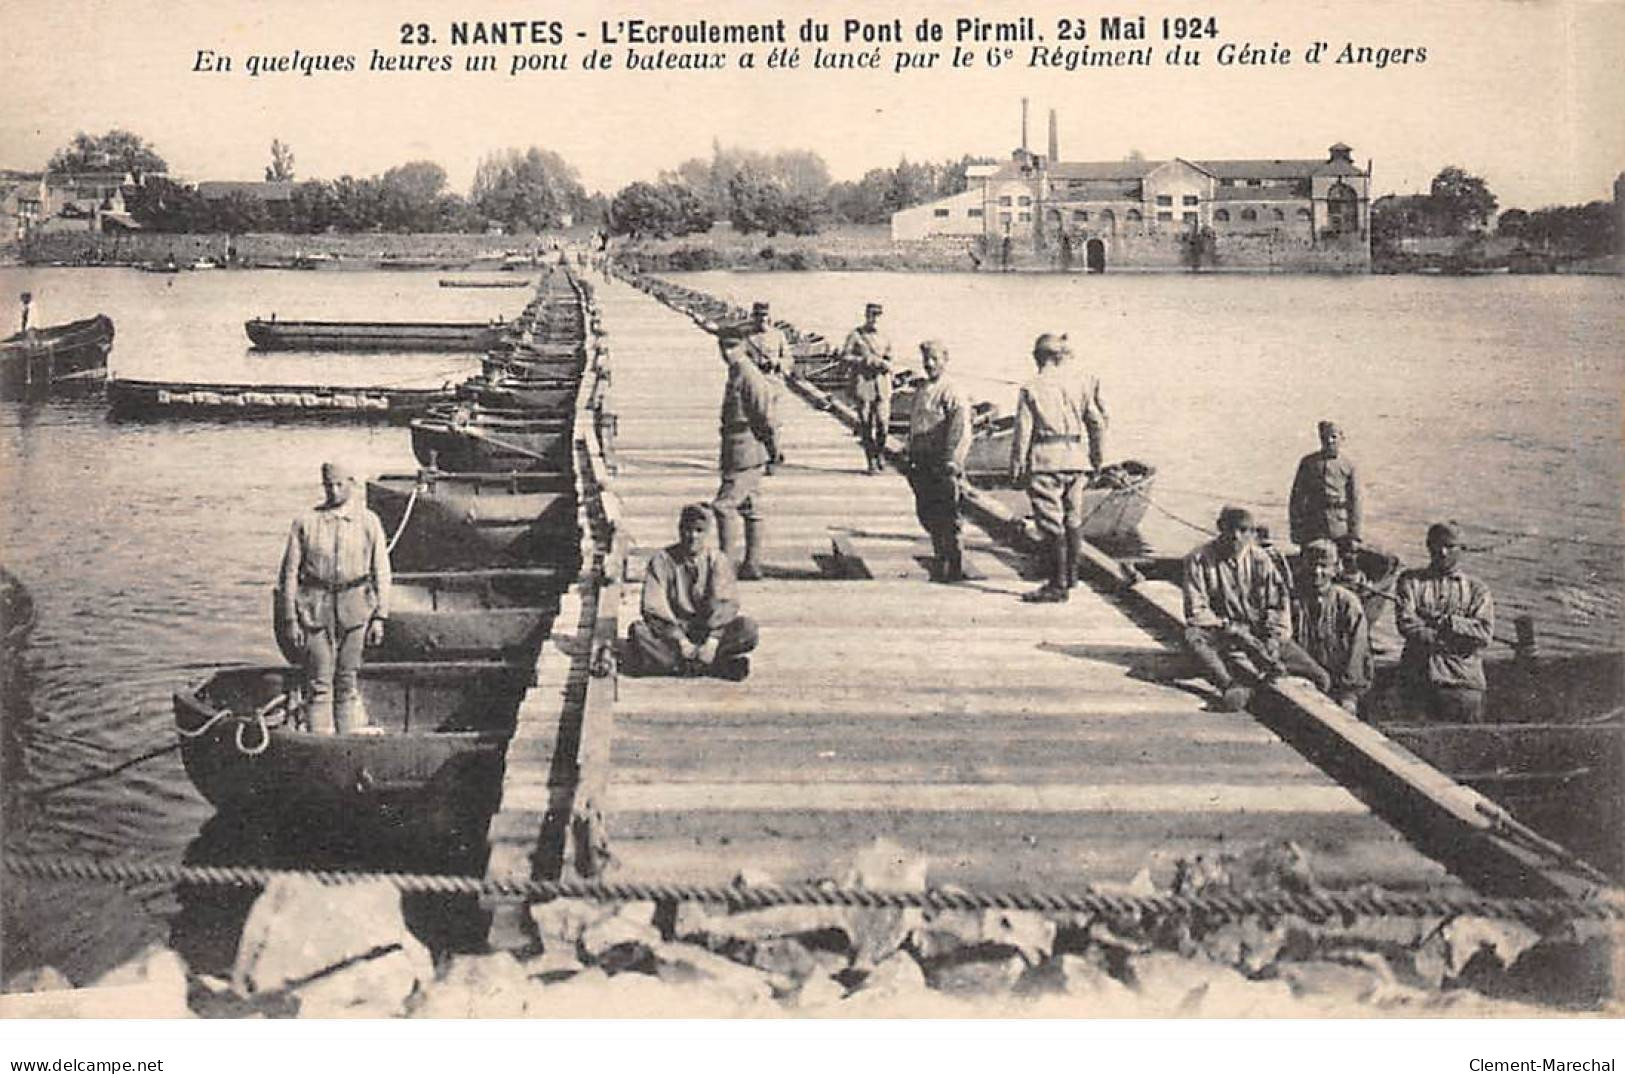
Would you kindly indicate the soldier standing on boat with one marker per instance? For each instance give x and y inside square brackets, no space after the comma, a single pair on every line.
[938,440]
[1447,618]
[333,596]
[691,623]
[1325,499]
[1054,412]
[869,357]
[1329,624]
[1236,613]
[750,450]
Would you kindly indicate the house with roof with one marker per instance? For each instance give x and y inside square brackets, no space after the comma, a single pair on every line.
[1287,214]
[23,200]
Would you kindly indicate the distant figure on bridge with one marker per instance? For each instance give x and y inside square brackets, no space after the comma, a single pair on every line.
[938,440]
[1447,618]
[1325,499]
[691,623]
[750,449]
[1236,614]
[1329,624]
[333,596]
[767,345]
[30,317]
[1054,412]
[868,357]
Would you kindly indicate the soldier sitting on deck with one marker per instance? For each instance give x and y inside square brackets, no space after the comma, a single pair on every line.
[1328,623]
[691,623]
[1236,613]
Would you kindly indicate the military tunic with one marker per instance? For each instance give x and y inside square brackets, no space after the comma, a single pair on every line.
[1325,499]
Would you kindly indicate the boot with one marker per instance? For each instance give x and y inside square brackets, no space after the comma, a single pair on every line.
[1074,554]
[750,569]
[955,569]
[1054,590]
[730,537]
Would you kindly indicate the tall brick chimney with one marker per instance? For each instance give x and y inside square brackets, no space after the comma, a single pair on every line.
[1054,140]
[1024,124]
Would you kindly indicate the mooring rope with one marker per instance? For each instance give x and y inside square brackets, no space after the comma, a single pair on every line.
[755,897]
[406,517]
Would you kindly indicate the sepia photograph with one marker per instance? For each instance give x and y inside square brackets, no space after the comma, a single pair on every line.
[790,510]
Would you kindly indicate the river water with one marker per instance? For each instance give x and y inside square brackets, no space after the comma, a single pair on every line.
[150,547]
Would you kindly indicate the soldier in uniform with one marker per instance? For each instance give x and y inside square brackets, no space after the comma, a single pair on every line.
[767,345]
[1236,608]
[1329,624]
[1054,412]
[334,596]
[28,311]
[750,449]
[1447,618]
[1325,499]
[868,355]
[938,441]
[691,623]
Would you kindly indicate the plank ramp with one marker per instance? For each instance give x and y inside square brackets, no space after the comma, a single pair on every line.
[1013,744]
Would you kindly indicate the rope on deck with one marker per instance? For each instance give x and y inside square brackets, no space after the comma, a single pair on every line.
[1221,906]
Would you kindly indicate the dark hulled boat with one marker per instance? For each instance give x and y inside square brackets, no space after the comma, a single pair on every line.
[187,399]
[484,283]
[431,768]
[34,363]
[372,335]
[459,521]
[537,395]
[1551,748]
[482,446]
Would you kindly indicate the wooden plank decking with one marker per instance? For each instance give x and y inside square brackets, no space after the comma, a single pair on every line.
[1012,743]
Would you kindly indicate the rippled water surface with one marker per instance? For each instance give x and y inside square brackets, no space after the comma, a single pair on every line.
[150,547]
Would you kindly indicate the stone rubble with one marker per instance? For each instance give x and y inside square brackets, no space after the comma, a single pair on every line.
[309,950]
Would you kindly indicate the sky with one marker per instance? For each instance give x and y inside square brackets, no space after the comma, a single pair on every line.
[1525,93]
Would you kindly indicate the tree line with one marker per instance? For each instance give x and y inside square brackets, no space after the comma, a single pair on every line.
[1460,204]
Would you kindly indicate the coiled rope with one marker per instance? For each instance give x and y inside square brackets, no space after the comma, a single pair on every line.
[1319,907]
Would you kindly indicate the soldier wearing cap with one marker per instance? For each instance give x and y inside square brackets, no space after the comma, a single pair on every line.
[1447,618]
[1236,613]
[29,310]
[1325,499]
[1055,411]
[1329,624]
[750,449]
[938,440]
[766,344]
[333,596]
[691,623]
[869,359]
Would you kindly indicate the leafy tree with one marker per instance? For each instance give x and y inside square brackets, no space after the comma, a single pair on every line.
[164,205]
[532,190]
[1511,223]
[660,209]
[280,170]
[117,150]
[410,195]
[1462,199]
[237,213]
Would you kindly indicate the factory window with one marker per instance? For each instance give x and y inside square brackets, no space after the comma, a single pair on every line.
[1188,199]
[1165,217]
[1074,184]
[1025,217]
[1255,182]
[1227,182]
[1108,218]
[1133,216]
[1278,214]
[1005,200]
[1165,199]
[1080,214]
[1189,218]
[1024,200]
[973,212]
[1004,218]
[1303,214]
[939,213]
[1249,214]
[1222,216]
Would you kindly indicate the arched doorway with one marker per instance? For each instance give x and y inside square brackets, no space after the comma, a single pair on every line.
[1094,254]
[1342,210]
